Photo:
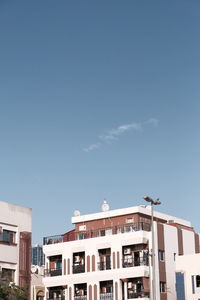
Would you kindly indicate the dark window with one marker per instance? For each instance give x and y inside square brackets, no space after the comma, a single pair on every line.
[162,287]
[8,274]
[161,255]
[198,281]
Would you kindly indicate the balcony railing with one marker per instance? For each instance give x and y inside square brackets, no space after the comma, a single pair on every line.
[140,226]
[106,296]
[58,298]
[104,265]
[78,268]
[135,294]
[52,272]
[132,262]
[80,297]
[52,239]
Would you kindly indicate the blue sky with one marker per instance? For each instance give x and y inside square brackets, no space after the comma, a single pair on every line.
[99,99]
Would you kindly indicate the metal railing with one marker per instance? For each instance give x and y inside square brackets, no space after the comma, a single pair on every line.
[132,262]
[139,226]
[139,294]
[106,296]
[52,239]
[58,298]
[80,297]
[104,265]
[113,230]
[52,272]
[78,268]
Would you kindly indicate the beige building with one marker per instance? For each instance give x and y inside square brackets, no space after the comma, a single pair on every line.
[15,243]
[37,287]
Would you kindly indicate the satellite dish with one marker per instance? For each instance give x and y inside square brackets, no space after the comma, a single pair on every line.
[105,206]
[77,213]
[33,269]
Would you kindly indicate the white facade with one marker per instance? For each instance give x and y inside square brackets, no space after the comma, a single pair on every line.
[37,287]
[122,229]
[14,220]
[189,267]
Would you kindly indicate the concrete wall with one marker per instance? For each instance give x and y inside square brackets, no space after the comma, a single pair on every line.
[17,219]
[189,266]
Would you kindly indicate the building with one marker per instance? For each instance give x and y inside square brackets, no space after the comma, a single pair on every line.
[15,243]
[37,255]
[188,277]
[107,256]
[37,287]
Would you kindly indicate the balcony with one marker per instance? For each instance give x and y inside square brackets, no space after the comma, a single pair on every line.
[52,272]
[136,295]
[80,297]
[106,296]
[56,293]
[131,262]
[140,226]
[104,265]
[78,268]
[80,291]
[58,298]
[52,239]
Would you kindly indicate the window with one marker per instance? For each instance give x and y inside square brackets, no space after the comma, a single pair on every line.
[104,232]
[8,275]
[162,287]
[198,281]
[174,256]
[82,236]
[129,220]
[161,255]
[7,236]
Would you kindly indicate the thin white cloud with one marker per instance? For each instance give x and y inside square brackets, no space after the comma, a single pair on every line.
[114,134]
[92,147]
[152,121]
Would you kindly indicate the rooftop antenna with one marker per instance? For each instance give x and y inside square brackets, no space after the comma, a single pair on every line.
[105,206]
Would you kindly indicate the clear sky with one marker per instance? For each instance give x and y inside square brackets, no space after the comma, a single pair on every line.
[99,99]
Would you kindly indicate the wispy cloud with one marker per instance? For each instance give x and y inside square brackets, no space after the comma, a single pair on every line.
[152,121]
[114,134]
[92,147]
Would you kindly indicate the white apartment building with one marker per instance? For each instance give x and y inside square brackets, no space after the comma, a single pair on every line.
[107,256]
[15,243]
[188,277]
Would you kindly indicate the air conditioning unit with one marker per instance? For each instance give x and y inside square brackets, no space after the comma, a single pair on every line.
[127,251]
[130,285]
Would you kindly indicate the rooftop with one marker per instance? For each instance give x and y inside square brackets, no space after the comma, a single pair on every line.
[146,210]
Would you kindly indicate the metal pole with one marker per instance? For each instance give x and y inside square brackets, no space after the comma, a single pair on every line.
[153,255]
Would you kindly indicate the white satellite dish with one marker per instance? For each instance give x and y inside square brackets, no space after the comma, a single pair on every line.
[77,213]
[105,206]
[33,269]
